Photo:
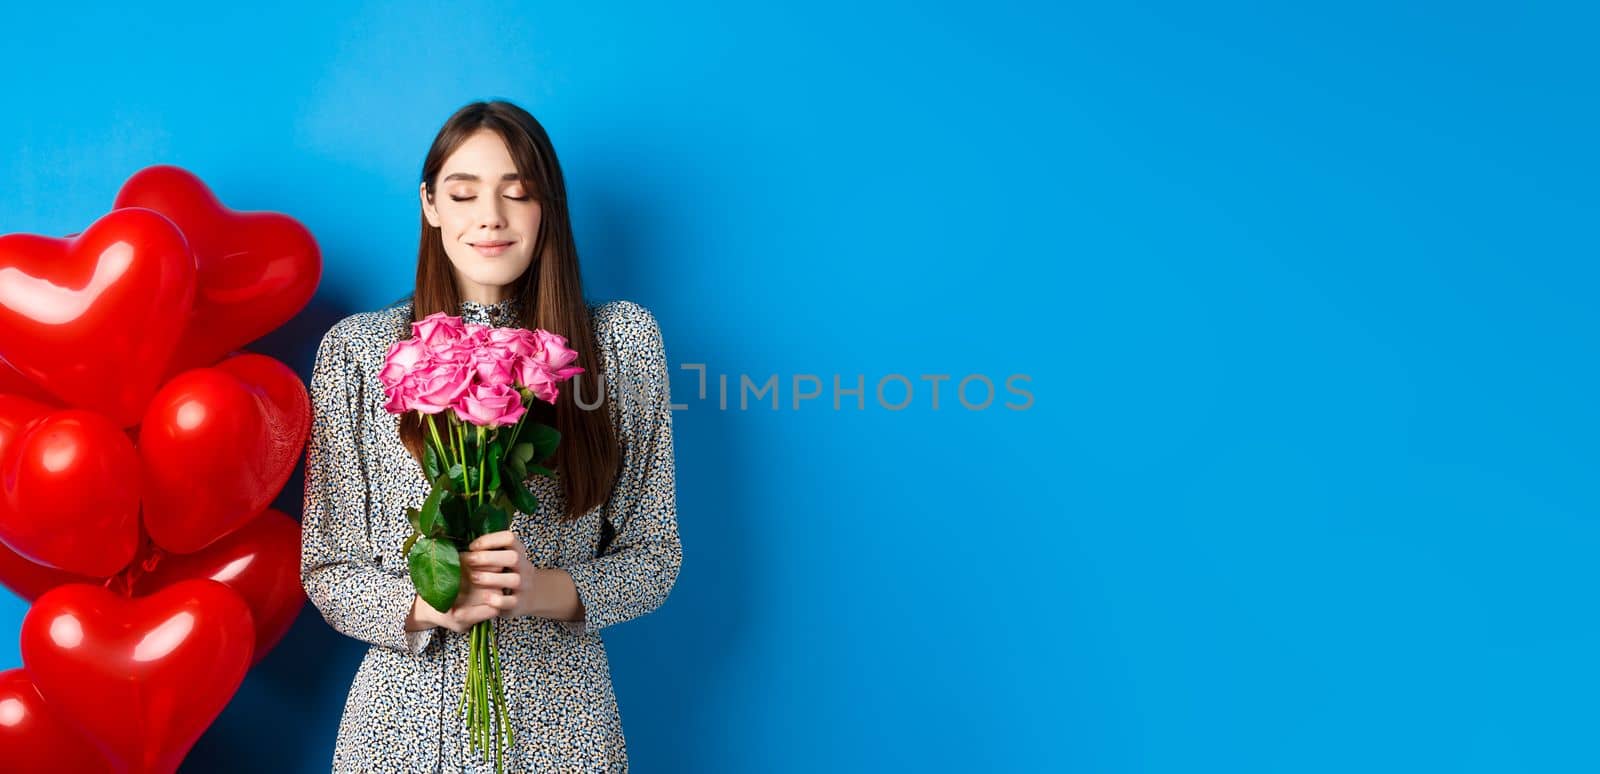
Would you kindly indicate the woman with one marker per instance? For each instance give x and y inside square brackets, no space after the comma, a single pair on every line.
[603,547]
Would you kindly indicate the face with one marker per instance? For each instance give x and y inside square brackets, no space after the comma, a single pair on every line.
[485,216]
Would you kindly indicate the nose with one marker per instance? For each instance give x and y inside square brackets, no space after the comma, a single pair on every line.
[489,215]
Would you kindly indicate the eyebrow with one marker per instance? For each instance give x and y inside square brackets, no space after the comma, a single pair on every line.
[475,178]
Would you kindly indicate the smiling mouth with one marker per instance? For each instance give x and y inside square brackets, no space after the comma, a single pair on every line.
[491,249]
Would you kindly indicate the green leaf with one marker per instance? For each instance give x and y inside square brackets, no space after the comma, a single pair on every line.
[542,470]
[491,468]
[435,572]
[430,461]
[519,496]
[544,438]
[430,511]
[406,549]
[464,481]
[454,509]
[523,452]
[415,517]
[489,518]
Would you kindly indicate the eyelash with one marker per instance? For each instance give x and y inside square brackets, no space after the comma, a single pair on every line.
[470,198]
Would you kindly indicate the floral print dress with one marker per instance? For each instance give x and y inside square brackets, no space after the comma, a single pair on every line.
[400,715]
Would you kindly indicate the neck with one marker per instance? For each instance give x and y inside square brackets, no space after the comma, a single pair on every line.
[497,313]
[485,298]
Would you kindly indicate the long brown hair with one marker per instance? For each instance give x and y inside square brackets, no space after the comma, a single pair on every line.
[550,294]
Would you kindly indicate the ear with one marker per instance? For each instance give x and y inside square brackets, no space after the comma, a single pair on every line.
[428,210]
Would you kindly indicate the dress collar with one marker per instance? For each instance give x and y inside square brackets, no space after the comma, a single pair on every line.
[498,314]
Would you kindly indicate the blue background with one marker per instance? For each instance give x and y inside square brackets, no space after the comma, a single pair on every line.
[1305,297]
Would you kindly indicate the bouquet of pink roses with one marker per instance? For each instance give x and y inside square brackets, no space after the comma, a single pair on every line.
[482,380]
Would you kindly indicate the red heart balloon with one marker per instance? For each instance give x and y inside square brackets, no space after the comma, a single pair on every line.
[16,414]
[25,578]
[33,740]
[260,561]
[12,382]
[256,269]
[95,318]
[217,445]
[69,488]
[30,580]
[142,678]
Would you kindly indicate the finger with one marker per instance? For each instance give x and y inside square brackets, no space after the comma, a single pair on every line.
[468,614]
[497,580]
[488,560]
[488,605]
[501,539]
[493,599]
[477,608]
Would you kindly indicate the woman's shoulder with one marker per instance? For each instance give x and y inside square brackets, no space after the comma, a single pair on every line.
[372,331]
[622,324]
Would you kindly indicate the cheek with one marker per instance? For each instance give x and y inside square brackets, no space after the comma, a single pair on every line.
[454,220]
[528,220]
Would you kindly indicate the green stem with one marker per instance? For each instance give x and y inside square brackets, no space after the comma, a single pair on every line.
[499,687]
[481,458]
[461,432]
[438,445]
[477,685]
[516,431]
[483,695]
[461,706]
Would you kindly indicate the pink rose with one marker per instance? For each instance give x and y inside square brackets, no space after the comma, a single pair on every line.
[436,388]
[437,329]
[519,342]
[496,350]
[530,371]
[548,365]
[550,350]
[490,405]
[540,381]
[403,358]
[400,394]
[476,335]
[492,365]
[455,351]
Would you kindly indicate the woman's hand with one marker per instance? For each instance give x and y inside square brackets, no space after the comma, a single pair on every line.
[495,582]
[496,566]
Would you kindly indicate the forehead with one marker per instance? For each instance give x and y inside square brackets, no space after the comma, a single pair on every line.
[483,156]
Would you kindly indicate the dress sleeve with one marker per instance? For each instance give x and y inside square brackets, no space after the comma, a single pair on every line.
[338,563]
[640,566]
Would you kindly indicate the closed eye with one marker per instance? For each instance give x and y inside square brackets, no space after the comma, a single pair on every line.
[470,198]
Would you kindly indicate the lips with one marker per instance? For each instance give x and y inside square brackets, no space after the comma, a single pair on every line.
[491,249]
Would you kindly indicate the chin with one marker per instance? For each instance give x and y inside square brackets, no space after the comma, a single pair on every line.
[494,277]
[495,272]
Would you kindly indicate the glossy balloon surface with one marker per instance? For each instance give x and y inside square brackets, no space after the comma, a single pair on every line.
[260,561]
[141,677]
[69,489]
[217,445]
[256,270]
[33,740]
[94,319]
